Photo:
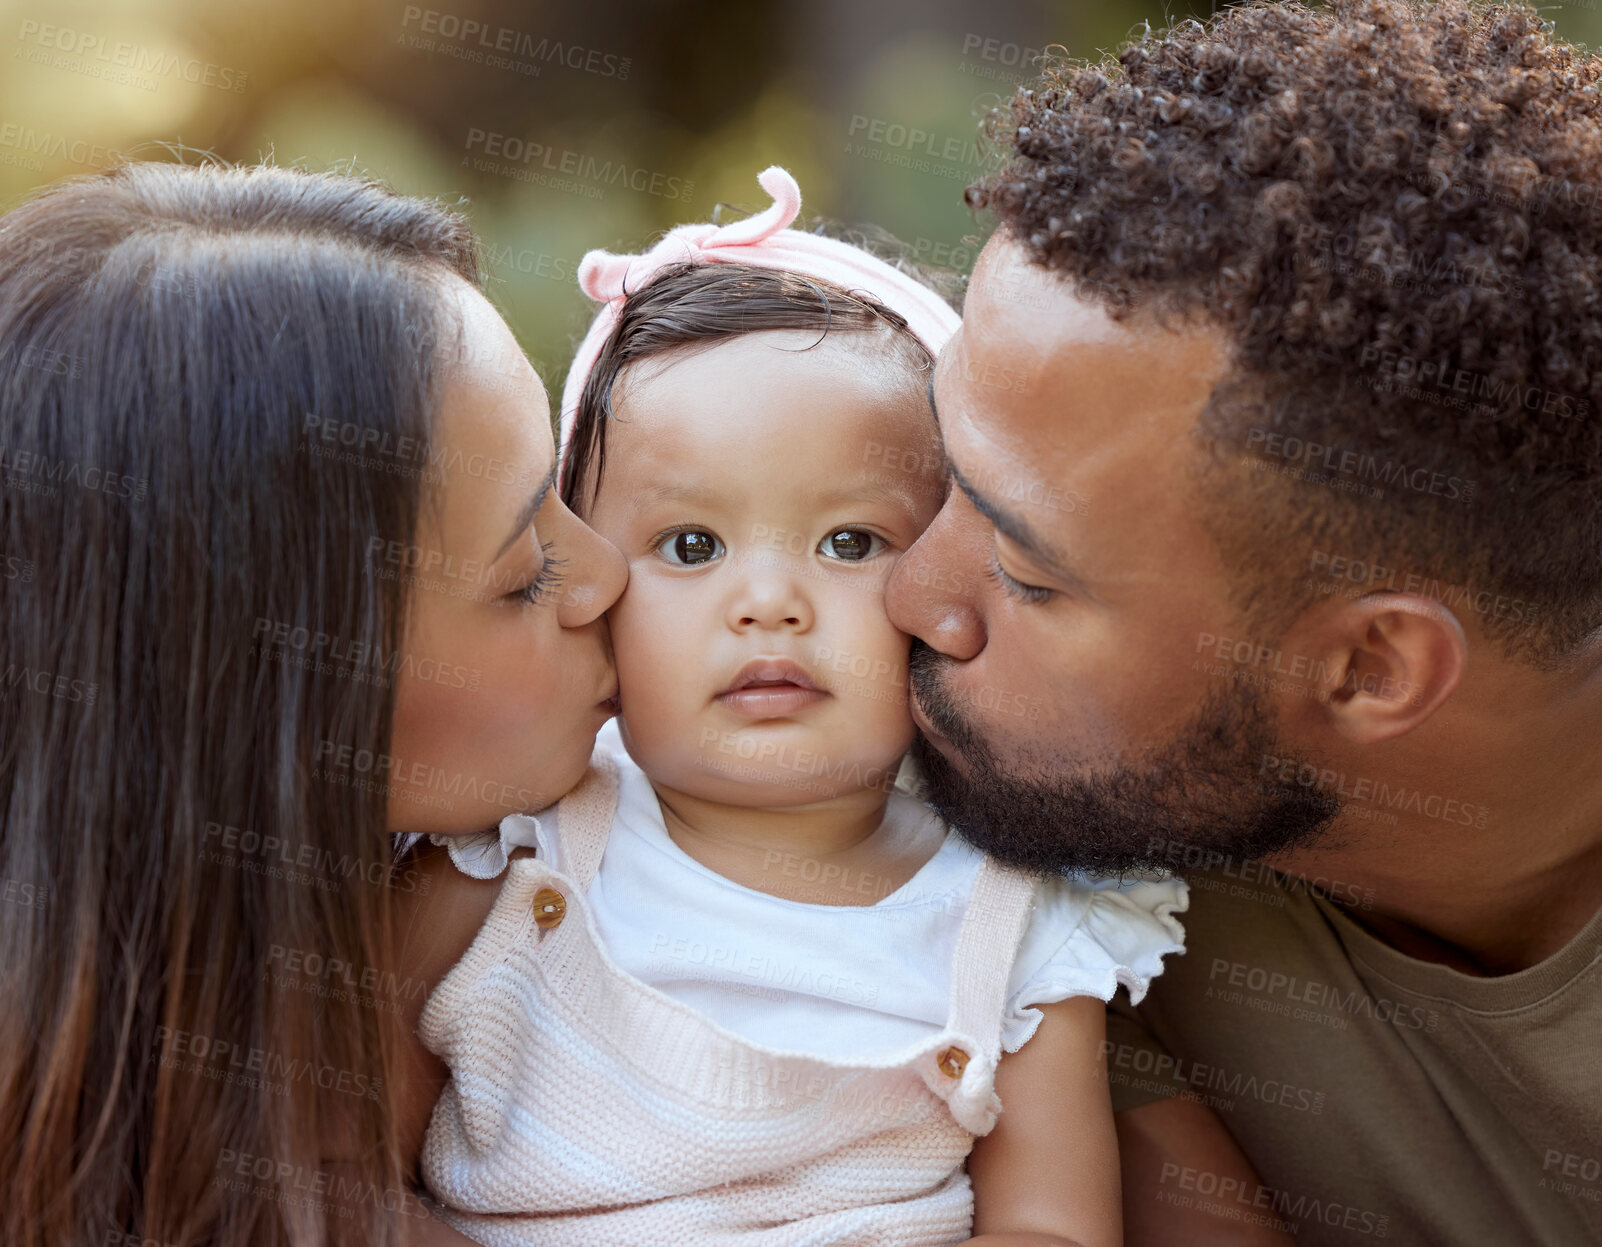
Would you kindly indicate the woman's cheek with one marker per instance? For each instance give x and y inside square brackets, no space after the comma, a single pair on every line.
[533,682]
[507,673]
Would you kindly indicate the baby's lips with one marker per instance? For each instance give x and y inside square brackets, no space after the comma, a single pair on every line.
[772,669]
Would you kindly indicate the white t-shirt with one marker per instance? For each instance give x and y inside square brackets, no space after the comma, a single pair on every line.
[837,981]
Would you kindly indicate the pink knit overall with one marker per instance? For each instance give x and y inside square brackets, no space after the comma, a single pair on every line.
[586,1108]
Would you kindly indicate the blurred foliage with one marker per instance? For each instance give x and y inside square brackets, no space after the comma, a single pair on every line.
[560,126]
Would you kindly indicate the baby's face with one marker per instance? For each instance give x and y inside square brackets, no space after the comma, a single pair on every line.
[761,492]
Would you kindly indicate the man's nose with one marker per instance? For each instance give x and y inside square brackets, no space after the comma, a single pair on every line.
[934,585]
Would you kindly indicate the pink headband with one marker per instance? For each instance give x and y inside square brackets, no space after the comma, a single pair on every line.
[762,240]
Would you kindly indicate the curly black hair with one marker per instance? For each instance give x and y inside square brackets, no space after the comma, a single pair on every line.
[1392,210]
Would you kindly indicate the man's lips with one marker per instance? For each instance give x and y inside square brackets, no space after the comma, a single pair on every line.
[770,688]
[930,732]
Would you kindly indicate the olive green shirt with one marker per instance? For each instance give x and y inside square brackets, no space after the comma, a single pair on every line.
[1377,1096]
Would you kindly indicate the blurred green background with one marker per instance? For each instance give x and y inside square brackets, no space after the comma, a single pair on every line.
[560,126]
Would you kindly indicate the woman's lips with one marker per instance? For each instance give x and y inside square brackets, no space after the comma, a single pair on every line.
[770,688]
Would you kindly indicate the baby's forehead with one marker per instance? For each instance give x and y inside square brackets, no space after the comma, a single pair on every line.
[880,359]
[874,478]
[766,414]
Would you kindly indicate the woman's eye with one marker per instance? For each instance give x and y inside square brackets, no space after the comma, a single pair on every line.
[546,582]
[690,548]
[851,545]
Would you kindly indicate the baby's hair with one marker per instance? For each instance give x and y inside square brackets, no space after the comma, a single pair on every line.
[693,306]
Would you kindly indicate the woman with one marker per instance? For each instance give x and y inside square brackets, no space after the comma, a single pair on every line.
[278,579]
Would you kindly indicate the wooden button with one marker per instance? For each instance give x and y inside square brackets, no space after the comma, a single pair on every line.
[550,906]
[952,1062]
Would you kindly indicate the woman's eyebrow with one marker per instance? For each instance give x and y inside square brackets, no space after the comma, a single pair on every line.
[525,517]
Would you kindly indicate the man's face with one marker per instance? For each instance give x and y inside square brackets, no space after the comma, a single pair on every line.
[1069,598]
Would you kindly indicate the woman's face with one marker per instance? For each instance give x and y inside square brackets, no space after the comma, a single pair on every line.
[506,672]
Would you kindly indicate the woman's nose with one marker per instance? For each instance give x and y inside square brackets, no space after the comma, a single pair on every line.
[597,575]
[934,585]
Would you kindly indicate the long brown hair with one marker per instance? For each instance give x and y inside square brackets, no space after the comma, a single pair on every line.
[194,958]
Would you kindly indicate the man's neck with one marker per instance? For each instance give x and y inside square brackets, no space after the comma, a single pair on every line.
[1471,910]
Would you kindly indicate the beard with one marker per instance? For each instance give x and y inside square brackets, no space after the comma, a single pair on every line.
[1198,800]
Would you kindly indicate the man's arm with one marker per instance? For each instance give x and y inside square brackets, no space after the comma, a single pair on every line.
[1167,1140]
[1163,1148]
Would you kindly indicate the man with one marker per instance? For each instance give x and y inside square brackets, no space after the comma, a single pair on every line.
[1274,556]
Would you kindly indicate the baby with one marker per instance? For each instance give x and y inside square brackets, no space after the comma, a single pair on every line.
[745,990]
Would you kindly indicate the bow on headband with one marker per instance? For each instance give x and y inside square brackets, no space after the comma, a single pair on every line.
[766,241]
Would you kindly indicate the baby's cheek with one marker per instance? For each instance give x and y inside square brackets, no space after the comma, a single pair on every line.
[656,702]
[866,661]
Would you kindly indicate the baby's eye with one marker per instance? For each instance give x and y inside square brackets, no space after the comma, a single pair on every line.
[851,545]
[690,547]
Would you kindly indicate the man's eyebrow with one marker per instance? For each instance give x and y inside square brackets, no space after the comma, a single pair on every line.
[1018,532]
[525,517]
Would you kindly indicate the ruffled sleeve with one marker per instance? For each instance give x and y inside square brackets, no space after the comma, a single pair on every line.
[1085,937]
[484,854]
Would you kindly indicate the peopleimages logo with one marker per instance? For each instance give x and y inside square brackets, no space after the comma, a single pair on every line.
[1293,773]
[29,466]
[47,683]
[95,52]
[42,143]
[224,1060]
[1316,457]
[1225,1197]
[1263,981]
[503,47]
[1356,576]
[1503,393]
[493,152]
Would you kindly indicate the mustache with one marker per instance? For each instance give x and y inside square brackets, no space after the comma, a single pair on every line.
[926,675]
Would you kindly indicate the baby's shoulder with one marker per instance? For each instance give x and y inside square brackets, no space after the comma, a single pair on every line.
[1088,935]
[1068,900]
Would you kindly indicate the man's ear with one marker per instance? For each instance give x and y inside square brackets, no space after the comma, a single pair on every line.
[1390,661]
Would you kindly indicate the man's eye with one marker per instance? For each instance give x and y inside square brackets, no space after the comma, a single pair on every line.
[1016,589]
[851,545]
[690,547]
